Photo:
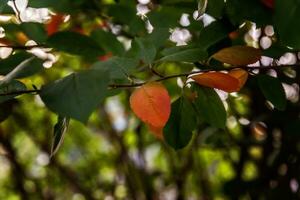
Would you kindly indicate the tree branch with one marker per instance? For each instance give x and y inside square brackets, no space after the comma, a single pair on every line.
[20,47]
[116,86]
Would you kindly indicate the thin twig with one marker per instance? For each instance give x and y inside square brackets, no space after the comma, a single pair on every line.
[19,47]
[116,86]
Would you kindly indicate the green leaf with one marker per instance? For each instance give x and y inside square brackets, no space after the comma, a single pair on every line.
[34,31]
[215,8]
[13,87]
[182,121]
[209,106]
[60,129]
[186,55]
[8,64]
[6,109]
[241,10]
[212,34]
[108,42]
[119,68]
[3,3]
[273,90]
[76,95]
[75,43]
[143,49]
[159,36]
[286,20]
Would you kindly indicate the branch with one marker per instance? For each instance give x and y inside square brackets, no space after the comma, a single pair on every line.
[20,47]
[133,85]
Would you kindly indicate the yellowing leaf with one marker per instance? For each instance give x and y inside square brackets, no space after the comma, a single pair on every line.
[152,104]
[238,55]
[217,80]
[241,75]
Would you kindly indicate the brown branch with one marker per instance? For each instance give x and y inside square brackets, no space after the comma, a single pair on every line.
[20,47]
[116,86]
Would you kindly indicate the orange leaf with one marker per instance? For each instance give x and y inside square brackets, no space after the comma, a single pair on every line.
[152,104]
[241,75]
[55,22]
[157,131]
[238,55]
[217,80]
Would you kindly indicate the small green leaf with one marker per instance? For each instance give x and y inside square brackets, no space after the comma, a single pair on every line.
[238,55]
[76,95]
[273,90]
[182,121]
[13,87]
[75,43]
[119,68]
[60,129]
[143,49]
[186,55]
[209,106]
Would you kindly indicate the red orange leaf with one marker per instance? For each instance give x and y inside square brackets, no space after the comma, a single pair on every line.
[55,22]
[157,131]
[152,104]
[241,75]
[217,80]
[238,55]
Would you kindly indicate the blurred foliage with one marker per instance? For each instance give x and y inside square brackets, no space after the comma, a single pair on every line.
[113,155]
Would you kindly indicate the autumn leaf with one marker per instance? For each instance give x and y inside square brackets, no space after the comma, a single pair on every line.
[152,104]
[157,131]
[53,25]
[238,55]
[268,3]
[217,80]
[241,75]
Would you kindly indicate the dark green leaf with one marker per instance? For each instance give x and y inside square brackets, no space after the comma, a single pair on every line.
[212,34]
[25,68]
[182,121]
[287,14]
[240,11]
[118,67]
[209,106]
[8,64]
[76,95]
[215,8]
[187,55]
[273,90]
[12,88]
[6,109]
[35,31]
[60,129]
[108,42]
[3,3]
[75,43]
